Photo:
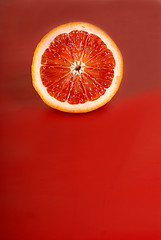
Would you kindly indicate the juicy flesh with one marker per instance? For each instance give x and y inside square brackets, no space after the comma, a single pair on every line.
[77,67]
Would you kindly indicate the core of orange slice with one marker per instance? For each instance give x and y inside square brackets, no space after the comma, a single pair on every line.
[77,68]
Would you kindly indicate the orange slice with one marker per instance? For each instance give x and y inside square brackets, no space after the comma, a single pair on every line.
[77,68]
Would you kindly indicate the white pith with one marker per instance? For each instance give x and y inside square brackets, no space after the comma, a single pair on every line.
[75,64]
[44,44]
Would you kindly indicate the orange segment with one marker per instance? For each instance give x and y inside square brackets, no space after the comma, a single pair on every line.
[61,45]
[104,59]
[92,88]
[102,76]
[94,45]
[50,58]
[77,93]
[77,43]
[50,74]
[60,89]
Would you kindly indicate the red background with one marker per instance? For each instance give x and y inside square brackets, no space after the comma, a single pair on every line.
[94,176]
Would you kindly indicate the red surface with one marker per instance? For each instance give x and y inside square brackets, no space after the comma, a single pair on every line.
[94,176]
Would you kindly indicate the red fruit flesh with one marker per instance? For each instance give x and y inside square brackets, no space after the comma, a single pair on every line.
[81,84]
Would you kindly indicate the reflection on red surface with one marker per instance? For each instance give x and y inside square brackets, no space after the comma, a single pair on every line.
[89,176]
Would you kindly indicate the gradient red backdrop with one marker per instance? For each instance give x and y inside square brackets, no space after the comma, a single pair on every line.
[94,176]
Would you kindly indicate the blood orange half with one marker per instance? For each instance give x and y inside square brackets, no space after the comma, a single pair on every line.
[77,68]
